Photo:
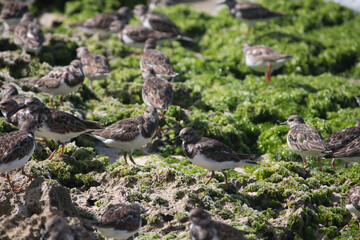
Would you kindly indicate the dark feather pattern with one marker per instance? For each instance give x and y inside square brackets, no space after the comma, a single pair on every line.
[253,11]
[121,217]
[158,61]
[341,138]
[261,53]
[141,34]
[351,150]
[13,9]
[303,137]
[157,92]
[128,129]
[10,91]
[93,64]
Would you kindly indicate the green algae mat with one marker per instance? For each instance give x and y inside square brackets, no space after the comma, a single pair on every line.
[220,97]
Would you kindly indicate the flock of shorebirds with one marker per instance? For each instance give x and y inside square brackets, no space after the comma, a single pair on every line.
[33,118]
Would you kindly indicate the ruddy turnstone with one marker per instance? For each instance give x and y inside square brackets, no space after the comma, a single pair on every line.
[9,90]
[203,228]
[57,125]
[130,133]
[264,59]
[16,148]
[156,91]
[101,22]
[156,60]
[12,12]
[28,34]
[62,81]
[305,140]
[135,35]
[162,3]
[342,138]
[159,22]
[120,221]
[352,203]
[13,112]
[348,153]
[250,12]
[212,154]
[94,66]
[58,229]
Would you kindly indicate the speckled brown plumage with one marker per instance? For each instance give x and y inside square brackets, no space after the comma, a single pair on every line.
[13,9]
[159,22]
[353,197]
[343,137]
[251,10]
[351,152]
[9,90]
[92,64]
[214,149]
[203,228]
[156,60]
[261,53]
[28,34]
[121,217]
[11,111]
[156,91]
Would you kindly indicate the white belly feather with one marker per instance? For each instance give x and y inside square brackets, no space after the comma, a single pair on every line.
[203,161]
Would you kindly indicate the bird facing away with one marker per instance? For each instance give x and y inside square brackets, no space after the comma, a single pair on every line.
[58,229]
[264,59]
[62,81]
[12,12]
[57,125]
[156,60]
[94,66]
[305,140]
[212,154]
[352,203]
[9,90]
[120,221]
[16,148]
[203,228]
[159,22]
[250,12]
[130,133]
[28,34]
[342,138]
[101,22]
[135,35]
[156,91]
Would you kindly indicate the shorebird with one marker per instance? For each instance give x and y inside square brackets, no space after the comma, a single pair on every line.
[58,229]
[16,148]
[159,22]
[57,125]
[212,154]
[130,133]
[28,35]
[305,140]
[101,22]
[156,91]
[250,12]
[135,35]
[94,66]
[62,81]
[352,203]
[120,221]
[13,112]
[203,228]
[12,12]
[348,153]
[342,138]
[264,59]
[9,90]
[156,60]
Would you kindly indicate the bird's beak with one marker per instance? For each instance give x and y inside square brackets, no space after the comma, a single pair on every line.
[284,123]
[44,235]
[175,138]
[184,219]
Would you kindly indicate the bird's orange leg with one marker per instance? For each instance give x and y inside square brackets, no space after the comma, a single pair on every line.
[61,101]
[131,158]
[62,148]
[333,163]
[226,181]
[211,177]
[30,177]
[52,102]
[13,188]
[53,153]
[319,160]
[267,74]
[125,158]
